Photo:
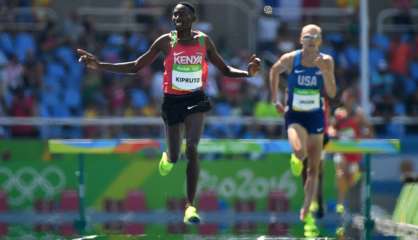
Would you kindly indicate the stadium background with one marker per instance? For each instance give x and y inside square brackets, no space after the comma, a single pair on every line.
[41,80]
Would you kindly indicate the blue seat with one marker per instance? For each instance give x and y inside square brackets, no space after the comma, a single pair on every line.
[352,54]
[60,111]
[6,43]
[139,98]
[50,99]
[381,41]
[3,58]
[413,70]
[51,85]
[376,58]
[54,69]
[66,55]
[72,98]
[24,43]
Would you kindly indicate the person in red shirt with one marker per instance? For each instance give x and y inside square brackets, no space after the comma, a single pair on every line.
[184,105]
[349,122]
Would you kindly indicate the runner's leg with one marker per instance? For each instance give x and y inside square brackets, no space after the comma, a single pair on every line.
[174,139]
[194,126]
[314,156]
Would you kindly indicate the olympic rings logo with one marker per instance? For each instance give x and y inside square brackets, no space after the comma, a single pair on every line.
[25,182]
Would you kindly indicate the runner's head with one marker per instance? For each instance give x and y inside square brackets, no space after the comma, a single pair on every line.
[311,37]
[184,14]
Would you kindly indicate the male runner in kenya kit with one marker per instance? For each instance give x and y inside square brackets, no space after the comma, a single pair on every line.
[185,103]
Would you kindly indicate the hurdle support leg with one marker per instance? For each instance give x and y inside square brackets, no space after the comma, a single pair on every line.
[368,222]
[80,224]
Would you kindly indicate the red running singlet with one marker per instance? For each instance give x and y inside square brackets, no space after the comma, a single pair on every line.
[186,68]
[348,127]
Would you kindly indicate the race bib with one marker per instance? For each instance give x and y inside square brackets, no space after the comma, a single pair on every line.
[305,100]
[186,77]
[347,134]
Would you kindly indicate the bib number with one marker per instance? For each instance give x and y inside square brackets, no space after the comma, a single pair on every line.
[305,100]
[347,134]
[186,77]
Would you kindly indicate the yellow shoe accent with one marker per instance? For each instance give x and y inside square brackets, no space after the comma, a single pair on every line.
[340,232]
[309,219]
[165,166]
[296,165]
[310,228]
[314,207]
[356,176]
[191,216]
[312,234]
[340,209]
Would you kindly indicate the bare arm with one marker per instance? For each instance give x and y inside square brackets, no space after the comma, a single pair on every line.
[332,125]
[282,65]
[326,65]
[365,123]
[229,71]
[332,128]
[125,67]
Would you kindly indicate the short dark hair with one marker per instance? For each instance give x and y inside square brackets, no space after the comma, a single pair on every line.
[189,6]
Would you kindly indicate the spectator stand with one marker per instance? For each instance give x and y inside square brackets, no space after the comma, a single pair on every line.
[386,15]
[26,18]
[119,19]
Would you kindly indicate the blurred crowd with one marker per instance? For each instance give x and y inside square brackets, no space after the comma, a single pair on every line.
[40,76]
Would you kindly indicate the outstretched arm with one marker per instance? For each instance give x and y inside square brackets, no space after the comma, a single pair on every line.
[280,66]
[217,60]
[125,67]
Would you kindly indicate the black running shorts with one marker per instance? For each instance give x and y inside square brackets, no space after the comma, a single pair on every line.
[176,108]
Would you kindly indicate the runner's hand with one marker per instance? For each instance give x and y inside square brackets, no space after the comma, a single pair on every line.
[253,65]
[278,104]
[89,59]
[279,107]
[324,64]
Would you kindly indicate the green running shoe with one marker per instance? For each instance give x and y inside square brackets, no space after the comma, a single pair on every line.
[312,233]
[191,216]
[309,219]
[296,165]
[314,207]
[356,176]
[310,228]
[340,232]
[165,166]
[340,209]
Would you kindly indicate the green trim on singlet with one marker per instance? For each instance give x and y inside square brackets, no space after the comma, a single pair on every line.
[187,68]
[306,92]
[201,39]
[173,38]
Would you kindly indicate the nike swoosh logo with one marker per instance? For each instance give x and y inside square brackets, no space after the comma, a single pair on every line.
[319,129]
[178,53]
[299,71]
[318,73]
[191,107]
